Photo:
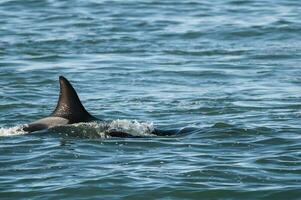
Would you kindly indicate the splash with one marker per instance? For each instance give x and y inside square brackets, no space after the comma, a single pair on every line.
[134,128]
[103,129]
[92,129]
[16,130]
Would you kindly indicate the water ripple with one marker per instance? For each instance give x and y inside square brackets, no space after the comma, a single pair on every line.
[228,69]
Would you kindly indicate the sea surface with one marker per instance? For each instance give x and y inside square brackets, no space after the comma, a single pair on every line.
[229,69]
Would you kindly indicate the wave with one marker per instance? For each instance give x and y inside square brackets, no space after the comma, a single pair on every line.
[16,130]
[93,129]
[103,129]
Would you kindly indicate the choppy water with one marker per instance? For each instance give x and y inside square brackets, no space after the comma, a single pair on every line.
[229,68]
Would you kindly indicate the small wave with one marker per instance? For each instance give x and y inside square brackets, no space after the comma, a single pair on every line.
[93,129]
[134,128]
[103,129]
[16,130]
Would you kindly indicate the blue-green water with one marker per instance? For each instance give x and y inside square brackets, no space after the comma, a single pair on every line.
[231,69]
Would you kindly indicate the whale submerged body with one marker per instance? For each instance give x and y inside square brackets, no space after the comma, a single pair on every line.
[70,110]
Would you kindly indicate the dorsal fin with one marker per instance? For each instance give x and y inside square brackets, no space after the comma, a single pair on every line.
[69,105]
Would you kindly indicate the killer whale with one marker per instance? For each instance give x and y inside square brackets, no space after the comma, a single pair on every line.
[70,110]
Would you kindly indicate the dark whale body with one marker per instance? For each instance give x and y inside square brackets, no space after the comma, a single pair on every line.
[69,110]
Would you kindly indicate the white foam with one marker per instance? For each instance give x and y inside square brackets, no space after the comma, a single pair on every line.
[134,128]
[103,129]
[93,129]
[16,130]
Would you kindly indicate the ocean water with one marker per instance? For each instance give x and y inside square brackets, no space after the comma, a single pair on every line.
[230,69]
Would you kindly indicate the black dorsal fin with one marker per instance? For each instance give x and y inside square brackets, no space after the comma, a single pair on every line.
[69,105]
